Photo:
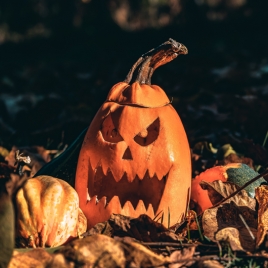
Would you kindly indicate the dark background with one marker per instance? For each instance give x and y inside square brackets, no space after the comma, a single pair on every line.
[58,60]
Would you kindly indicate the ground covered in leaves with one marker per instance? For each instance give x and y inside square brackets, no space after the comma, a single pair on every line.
[51,85]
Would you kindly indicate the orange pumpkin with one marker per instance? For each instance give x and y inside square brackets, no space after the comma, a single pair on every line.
[237,173]
[135,158]
[47,213]
[200,197]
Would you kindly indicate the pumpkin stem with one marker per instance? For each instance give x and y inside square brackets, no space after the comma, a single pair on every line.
[133,68]
[154,58]
[144,71]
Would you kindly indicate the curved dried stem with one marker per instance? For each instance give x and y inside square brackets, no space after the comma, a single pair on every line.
[144,71]
[155,58]
[133,68]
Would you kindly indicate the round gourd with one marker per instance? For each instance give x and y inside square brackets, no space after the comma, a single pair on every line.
[47,213]
[237,173]
[135,158]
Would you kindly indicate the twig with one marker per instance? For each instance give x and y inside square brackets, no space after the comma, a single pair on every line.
[246,225]
[175,244]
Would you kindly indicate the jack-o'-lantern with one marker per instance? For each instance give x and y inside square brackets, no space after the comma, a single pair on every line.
[135,158]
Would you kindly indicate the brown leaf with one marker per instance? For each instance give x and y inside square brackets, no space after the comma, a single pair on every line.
[236,224]
[100,228]
[138,256]
[255,151]
[59,261]
[234,158]
[209,264]
[262,198]
[218,190]
[182,258]
[231,235]
[142,228]
[171,236]
[103,251]
[141,256]
[38,258]
[93,251]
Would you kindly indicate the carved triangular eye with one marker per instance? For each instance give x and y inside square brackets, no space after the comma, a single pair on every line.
[109,132]
[148,135]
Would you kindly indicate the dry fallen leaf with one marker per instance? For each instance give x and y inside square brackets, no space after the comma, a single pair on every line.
[37,258]
[103,251]
[209,264]
[94,251]
[238,225]
[234,158]
[231,235]
[142,228]
[235,220]
[182,258]
[140,256]
[262,198]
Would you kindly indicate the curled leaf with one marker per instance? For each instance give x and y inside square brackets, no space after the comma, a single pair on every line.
[237,225]
[38,258]
[103,251]
[182,258]
[262,198]
[142,228]
[234,221]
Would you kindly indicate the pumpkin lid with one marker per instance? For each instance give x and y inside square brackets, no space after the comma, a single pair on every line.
[136,94]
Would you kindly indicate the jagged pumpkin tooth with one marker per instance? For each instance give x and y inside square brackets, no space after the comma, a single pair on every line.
[128,209]
[140,208]
[103,201]
[150,211]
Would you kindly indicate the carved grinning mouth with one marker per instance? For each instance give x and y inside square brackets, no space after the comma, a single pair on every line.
[148,190]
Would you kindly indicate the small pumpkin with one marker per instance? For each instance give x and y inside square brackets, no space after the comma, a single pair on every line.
[47,213]
[237,173]
[135,158]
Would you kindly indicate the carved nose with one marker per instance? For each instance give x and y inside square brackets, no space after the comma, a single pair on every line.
[127,154]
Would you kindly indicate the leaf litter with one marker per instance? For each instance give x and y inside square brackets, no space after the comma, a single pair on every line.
[236,227]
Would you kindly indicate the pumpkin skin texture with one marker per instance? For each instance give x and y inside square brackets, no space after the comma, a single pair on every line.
[135,158]
[48,213]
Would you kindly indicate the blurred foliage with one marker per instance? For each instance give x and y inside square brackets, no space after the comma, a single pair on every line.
[60,58]
[22,19]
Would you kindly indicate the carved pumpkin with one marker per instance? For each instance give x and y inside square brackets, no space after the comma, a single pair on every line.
[135,158]
[47,213]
